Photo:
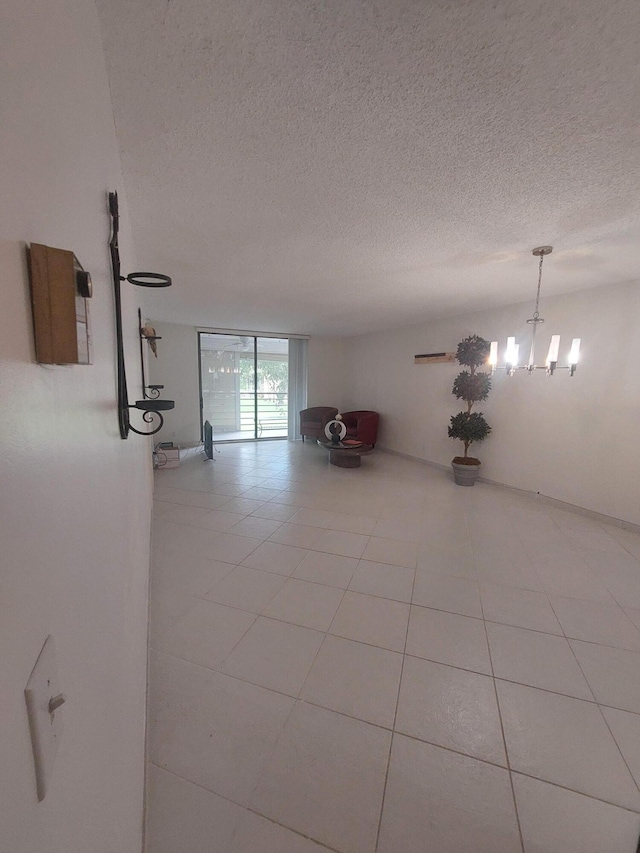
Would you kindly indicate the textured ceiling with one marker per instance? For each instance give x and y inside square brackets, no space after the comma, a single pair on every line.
[340,166]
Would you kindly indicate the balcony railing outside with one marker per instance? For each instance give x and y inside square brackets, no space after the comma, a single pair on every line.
[222,411]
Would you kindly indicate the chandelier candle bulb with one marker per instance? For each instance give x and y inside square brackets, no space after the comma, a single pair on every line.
[574,355]
[552,356]
[554,349]
[574,352]
[493,355]
[511,355]
[511,345]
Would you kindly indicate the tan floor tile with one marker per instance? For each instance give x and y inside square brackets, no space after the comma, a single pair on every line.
[451,708]
[311,605]
[392,551]
[326,778]
[377,621]
[420,814]
[566,741]
[246,589]
[274,654]
[341,679]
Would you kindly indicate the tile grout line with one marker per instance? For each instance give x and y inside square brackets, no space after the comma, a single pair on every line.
[294,705]
[161,651]
[245,808]
[326,634]
[615,740]
[504,739]
[567,639]
[417,740]
[203,597]
[599,706]
[235,607]
[395,714]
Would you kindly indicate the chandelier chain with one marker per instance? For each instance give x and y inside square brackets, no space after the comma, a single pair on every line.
[536,313]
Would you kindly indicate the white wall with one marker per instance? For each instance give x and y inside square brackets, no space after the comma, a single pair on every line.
[177,369]
[574,439]
[74,498]
[327,373]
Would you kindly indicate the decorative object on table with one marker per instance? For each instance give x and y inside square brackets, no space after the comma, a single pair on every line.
[150,408]
[362,426]
[513,349]
[335,430]
[314,420]
[472,387]
[60,290]
[343,455]
[435,358]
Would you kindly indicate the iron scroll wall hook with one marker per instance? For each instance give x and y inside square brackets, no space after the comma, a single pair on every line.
[151,408]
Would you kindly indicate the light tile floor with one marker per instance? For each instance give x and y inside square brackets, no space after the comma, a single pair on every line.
[378,660]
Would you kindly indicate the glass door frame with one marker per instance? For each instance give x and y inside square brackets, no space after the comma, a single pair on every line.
[254,336]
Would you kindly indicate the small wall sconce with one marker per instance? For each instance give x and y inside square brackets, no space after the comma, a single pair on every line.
[150,406]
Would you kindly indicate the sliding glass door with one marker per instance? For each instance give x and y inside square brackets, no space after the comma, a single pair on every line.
[272,387]
[244,384]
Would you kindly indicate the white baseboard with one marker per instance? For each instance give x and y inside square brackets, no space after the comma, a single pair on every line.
[537,496]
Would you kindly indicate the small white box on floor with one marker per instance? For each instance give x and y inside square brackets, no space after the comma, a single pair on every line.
[166,457]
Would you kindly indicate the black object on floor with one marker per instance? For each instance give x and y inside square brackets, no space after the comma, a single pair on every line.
[208,440]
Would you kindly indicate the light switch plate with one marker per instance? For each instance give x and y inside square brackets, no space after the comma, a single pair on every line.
[45,726]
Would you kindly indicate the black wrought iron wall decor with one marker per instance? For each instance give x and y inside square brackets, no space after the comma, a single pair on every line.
[151,406]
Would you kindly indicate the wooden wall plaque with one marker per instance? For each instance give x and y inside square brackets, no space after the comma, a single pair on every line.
[60,311]
[435,358]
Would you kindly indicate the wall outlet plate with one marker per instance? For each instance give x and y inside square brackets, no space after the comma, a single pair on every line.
[45,725]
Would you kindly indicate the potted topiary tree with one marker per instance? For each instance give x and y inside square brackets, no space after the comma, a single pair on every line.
[470,386]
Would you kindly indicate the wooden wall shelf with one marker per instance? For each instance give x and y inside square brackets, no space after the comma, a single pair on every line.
[59,298]
[435,358]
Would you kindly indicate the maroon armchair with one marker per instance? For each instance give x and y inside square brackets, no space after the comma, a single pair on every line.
[314,420]
[362,426]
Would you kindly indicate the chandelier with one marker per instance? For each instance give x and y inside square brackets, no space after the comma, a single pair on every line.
[512,352]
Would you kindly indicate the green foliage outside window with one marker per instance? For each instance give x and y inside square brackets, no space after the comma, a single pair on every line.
[273,376]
